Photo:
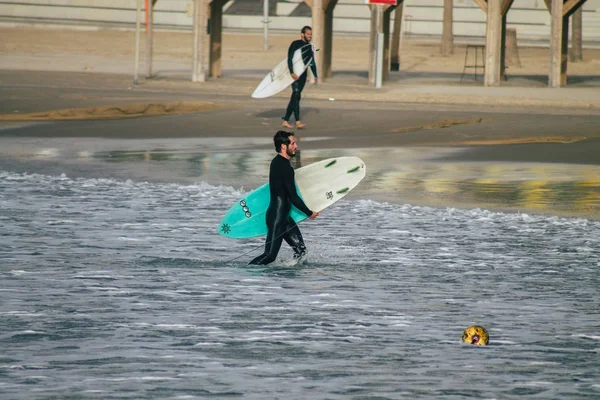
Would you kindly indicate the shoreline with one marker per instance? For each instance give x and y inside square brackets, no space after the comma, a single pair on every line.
[427,176]
[517,128]
[513,133]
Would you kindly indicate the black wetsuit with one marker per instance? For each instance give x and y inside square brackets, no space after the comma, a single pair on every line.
[297,86]
[280,224]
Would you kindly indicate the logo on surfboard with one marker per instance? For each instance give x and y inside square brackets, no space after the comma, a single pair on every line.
[225,228]
[245,208]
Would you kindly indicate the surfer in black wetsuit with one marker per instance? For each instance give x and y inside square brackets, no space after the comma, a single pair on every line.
[299,81]
[282,186]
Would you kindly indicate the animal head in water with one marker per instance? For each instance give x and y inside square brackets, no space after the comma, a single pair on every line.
[476,335]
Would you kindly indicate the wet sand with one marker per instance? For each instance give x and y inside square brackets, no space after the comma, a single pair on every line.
[524,133]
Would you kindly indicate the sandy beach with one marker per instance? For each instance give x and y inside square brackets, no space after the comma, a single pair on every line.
[424,77]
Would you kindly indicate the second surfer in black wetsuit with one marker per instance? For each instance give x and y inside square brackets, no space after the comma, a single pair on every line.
[299,81]
[282,186]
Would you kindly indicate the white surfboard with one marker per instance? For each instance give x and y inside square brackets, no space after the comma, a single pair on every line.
[279,78]
[320,185]
[325,182]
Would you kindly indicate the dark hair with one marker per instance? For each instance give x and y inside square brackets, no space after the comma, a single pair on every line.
[306,28]
[281,137]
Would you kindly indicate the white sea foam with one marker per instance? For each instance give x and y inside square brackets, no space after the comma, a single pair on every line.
[23,313]
[593,337]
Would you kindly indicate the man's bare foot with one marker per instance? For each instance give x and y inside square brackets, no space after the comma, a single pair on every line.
[287,125]
[300,125]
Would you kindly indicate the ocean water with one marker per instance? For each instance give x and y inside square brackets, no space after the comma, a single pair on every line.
[116,285]
[122,289]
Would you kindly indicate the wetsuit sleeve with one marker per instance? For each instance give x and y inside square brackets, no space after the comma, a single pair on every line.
[313,64]
[290,187]
[313,68]
[290,59]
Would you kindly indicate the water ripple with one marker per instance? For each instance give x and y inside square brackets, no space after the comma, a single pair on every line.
[123,289]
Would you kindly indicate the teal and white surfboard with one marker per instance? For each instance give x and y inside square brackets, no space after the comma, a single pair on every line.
[320,185]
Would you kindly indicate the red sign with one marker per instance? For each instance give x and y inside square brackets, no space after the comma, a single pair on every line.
[386,2]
